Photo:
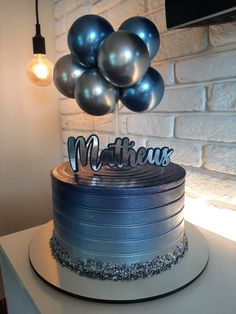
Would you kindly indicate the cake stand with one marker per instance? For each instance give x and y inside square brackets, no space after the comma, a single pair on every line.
[188,269]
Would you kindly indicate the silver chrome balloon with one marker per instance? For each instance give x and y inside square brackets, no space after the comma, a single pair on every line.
[66,71]
[123,58]
[146,94]
[94,94]
[146,30]
[85,37]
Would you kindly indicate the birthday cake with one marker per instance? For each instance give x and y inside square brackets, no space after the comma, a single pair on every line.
[118,223]
[121,217]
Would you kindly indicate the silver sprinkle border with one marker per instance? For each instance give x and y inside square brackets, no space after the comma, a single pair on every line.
[96,269]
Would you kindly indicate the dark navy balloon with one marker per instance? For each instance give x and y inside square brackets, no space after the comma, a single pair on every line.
[146,30]
[85,37]
[146,94]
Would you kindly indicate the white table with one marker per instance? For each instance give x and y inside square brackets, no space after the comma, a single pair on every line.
[213,292]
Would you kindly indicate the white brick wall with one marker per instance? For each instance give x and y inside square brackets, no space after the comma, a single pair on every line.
[222,34]
[218,188]
[81,121]
[158,18]
[222,97]
[166,70]
[152,5]
[207,127]
[209,67]
[122,11]
[197,116]
[150,125]
[183,99]
[180,43]
[185,153]
[68,105]
[220,158]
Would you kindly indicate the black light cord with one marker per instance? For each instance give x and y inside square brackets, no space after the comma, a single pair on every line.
[38,39]
[37,25]
[36,11]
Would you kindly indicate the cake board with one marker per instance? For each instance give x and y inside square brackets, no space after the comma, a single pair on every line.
[182,274]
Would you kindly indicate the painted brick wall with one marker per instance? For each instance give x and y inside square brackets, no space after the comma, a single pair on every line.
[197,116]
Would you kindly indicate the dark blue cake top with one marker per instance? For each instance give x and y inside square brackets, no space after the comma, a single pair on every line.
[145,176]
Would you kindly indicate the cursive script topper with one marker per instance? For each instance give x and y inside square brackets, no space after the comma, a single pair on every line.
[118,154]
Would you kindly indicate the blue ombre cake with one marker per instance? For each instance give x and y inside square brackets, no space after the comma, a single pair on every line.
[118,224]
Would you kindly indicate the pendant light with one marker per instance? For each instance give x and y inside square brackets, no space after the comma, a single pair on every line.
[39,69]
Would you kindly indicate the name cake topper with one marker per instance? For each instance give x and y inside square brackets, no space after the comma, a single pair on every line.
[119,154]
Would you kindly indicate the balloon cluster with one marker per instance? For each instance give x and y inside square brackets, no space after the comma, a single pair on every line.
[105,66]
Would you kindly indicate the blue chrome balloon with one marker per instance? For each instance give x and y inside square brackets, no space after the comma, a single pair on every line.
[66,71]
[123,58]
[146,30]
[94,94]
[146,94]
[85,37]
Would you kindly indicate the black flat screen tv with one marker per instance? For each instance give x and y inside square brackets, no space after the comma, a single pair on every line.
[192,13]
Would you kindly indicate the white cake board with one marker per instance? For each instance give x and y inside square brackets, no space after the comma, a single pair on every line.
[182,274]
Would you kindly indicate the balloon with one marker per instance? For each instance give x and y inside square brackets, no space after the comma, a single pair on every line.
[146,94]
[66,70]
[94,94]
[146,30]
[123,58]
[85,37]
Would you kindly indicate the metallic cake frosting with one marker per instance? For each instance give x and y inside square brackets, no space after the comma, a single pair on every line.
[119,216]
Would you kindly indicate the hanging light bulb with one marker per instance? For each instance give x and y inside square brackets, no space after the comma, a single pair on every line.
[39,69]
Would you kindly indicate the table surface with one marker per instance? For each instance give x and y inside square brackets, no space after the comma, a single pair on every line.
[213,292]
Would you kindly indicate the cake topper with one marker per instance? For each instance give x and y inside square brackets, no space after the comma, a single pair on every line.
[103,67]
[118,154]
